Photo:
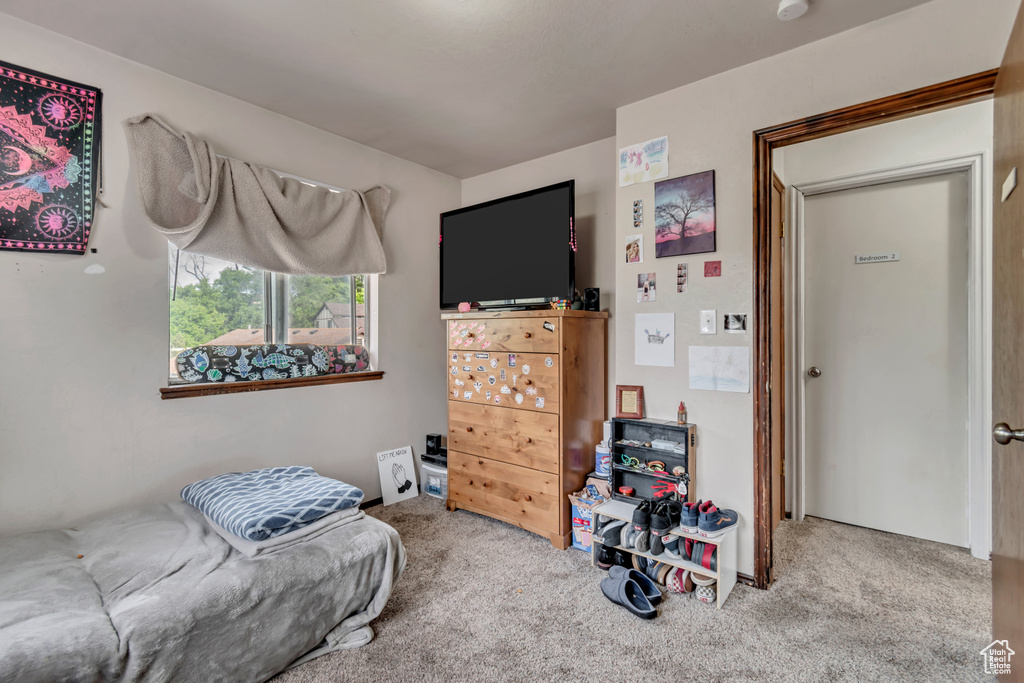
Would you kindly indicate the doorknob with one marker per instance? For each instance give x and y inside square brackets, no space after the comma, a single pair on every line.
[814,371]
[1003,434]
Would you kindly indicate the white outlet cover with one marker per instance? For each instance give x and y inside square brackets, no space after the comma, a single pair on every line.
[708,322]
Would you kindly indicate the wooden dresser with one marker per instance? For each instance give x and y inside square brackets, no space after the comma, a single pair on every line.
[526,403]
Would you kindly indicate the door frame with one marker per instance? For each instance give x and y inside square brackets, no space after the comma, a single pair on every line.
[979,326]
[765,140]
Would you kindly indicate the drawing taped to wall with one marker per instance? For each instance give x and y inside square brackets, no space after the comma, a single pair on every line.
[712,269]
[644,161]
[654,342]
[684,215]
[720,368]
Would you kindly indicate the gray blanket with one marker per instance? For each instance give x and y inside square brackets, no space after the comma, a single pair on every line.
[158,596]
[244,213]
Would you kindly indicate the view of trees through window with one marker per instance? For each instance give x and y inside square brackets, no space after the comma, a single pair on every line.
[213,301]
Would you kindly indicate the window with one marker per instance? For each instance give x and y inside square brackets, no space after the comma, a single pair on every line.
[213,302]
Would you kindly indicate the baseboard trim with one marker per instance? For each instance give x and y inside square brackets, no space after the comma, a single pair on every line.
[745,579]
[371,503]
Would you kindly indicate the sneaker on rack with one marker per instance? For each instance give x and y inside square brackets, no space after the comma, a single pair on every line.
[714,521]
[642,525]
[690,516]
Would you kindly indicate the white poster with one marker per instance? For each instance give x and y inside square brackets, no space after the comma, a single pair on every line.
[397,475]
[720,368]
[655,343]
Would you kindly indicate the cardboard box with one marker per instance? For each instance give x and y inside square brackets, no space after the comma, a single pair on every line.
[582,516]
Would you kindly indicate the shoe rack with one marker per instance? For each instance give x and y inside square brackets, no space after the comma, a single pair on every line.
[726,548]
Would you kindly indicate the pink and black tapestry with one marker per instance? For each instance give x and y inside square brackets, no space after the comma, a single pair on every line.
[49,161]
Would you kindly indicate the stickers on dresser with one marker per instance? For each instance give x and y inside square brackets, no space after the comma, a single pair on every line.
[524,380]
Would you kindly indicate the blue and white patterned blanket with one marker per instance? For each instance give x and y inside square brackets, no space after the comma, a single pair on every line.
[266,503]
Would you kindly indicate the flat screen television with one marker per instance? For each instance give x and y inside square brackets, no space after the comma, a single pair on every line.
[514,251]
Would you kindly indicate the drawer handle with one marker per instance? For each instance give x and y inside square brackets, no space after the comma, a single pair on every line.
[527,498]
[527,382]
[470,335]
[469,429]
[529,440]
[480,462]
[526,335]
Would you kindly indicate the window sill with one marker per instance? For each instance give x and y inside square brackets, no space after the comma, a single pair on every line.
[190,390]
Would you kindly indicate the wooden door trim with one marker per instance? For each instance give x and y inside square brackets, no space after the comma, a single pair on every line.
[931,98]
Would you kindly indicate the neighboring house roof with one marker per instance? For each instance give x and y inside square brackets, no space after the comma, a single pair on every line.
[324,336]
[341,309]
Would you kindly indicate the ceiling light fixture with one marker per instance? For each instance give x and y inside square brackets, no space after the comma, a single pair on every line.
[792,9]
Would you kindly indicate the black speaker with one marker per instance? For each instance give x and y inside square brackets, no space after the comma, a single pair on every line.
[591,299]
[433,444]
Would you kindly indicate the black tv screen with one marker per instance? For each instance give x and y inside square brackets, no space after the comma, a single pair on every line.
[514,250]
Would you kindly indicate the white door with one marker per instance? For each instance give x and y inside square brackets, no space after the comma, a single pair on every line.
[886,418]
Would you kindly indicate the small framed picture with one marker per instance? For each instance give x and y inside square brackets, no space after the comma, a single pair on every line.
[629,401]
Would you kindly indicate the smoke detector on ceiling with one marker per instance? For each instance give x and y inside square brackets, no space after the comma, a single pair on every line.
[791,9]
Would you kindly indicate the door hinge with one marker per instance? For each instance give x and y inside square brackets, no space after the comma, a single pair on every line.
[782,230]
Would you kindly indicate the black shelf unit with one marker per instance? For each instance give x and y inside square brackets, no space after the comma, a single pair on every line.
[649,485]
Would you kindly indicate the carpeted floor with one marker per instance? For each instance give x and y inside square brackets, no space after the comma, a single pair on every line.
[485,601]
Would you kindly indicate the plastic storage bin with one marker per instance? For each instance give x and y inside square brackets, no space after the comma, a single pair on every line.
[434,480]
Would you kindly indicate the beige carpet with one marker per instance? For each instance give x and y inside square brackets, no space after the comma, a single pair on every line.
[484,601]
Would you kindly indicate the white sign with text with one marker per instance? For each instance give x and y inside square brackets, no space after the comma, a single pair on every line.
[877,258]
[397,475]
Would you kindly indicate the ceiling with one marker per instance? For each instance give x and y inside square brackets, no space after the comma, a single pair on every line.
[460,86]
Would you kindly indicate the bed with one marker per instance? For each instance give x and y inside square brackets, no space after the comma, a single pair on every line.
[156,595]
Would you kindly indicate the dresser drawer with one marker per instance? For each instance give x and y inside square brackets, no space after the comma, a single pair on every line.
[505,334]
[511,380]
[519,437]
[519,495]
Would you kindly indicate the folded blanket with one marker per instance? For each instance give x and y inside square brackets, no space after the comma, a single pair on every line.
[265,503]
[308,532]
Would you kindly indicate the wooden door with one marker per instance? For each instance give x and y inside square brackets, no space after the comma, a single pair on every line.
[778,353]
[1007,361]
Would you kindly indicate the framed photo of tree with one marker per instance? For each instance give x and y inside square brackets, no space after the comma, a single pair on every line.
[684,215]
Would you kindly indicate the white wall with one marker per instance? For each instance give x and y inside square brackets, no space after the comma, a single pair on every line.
[593,168]
[82,427]
[709,125]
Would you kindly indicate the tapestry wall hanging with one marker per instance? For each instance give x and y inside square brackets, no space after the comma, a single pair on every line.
[49,161]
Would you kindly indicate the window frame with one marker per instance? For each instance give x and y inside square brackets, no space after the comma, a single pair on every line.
[276,301]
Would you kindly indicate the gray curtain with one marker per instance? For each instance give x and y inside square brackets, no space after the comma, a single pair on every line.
[247,214]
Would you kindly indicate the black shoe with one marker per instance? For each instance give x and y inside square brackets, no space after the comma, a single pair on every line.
[661,519]
[642,516]
[604,557]
[622,558]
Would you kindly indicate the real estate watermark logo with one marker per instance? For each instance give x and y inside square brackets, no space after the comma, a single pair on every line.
[997,657]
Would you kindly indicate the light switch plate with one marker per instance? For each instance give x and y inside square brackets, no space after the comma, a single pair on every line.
[708,322]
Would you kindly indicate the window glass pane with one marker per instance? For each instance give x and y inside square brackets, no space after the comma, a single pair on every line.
[329,311]
[213,302]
